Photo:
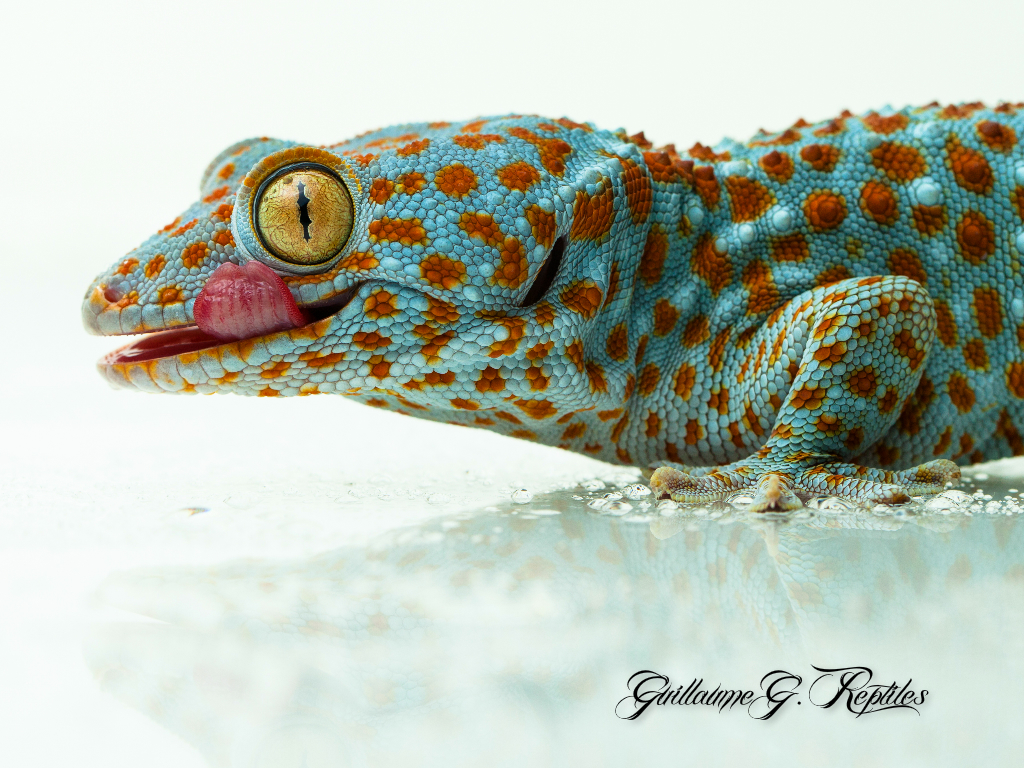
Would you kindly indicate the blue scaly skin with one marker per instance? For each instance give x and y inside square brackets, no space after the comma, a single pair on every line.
[833,309]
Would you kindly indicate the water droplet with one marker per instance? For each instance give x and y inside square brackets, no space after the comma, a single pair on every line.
[521,496]
[636,491]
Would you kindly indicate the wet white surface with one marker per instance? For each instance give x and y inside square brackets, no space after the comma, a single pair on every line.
[260,523]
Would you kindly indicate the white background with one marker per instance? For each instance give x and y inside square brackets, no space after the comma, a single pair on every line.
[110,112]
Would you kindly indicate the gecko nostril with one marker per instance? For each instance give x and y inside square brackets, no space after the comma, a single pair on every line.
[113,294]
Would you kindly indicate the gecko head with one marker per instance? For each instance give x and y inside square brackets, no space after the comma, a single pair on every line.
[459,267]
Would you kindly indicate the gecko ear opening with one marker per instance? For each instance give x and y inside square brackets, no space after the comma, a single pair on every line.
[546,274]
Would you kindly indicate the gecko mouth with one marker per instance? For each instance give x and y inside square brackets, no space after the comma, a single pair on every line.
[156,345]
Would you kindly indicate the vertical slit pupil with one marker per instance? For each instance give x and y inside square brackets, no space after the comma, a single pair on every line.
[304,219]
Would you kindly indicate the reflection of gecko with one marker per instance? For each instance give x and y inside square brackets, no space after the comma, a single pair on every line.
[474,622]
[798,308]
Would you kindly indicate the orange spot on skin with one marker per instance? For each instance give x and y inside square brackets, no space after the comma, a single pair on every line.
[638,191]
[268,392]
[518,176]
[413,148]
[885,125]
[997,136]
[442,272]
[821,157]
[593,215]
[976,236]
[155,266]
[574,431]
[945,440]
[929,219]
[171,295]
[455,181]
[697,331]
[357,261]
[653,424]
[665,318]
[907,263]
[707,186]
[988,311]
[863,382]
[1015,379]
[960,392]
[758,280]
[900,162]
[410,183]
[275,370]
[515,327]
[575,354]
[749,199]
[946,324]
[224,238]
[694,432]
[544,314]
[184,228]
[825,210]
[535,376]
[490,380]
[788,136]
[380,304]
[778,165]
[716,354]
[648,379]
[552,151]
[127,267]
[543,225]
[975,355]
[370,340]
[652,260]
[170,226]
[595,374]
[381,190]
[223,212]
[480,226]
[617,344]
[325,360]
[379,367]
[790,247]
[217,194]
[970,168]
[193,256]
[464,405]
[537,409]
[709,265]
[476,141]
[226,172]
[404,231]
[878,201]
[905,343]
[582,297]
[540,351]
[514,267]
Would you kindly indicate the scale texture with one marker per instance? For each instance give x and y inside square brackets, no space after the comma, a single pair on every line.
[834,308]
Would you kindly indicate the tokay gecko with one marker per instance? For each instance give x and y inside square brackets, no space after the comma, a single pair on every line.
[836,308]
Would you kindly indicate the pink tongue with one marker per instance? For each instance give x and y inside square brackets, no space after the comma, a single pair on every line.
[242,302]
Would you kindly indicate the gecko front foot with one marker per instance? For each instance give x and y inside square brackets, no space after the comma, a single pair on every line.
[779,488]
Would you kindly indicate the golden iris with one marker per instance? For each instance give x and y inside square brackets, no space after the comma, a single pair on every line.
[304,214]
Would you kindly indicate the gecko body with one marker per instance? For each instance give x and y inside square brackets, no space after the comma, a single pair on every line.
[835,308]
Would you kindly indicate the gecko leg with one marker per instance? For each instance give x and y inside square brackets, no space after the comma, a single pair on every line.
[862,345]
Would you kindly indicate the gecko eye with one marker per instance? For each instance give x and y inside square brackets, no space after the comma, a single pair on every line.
[303,214]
